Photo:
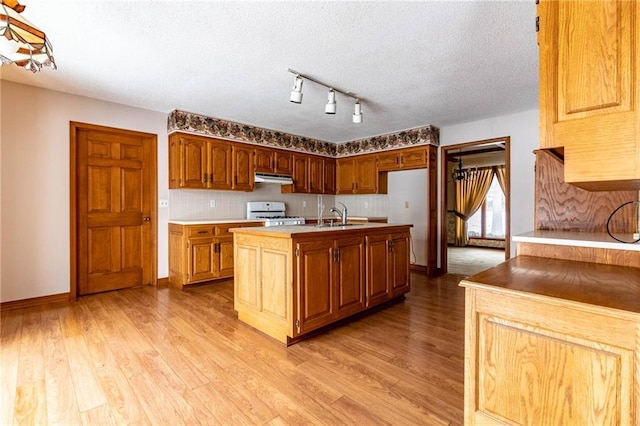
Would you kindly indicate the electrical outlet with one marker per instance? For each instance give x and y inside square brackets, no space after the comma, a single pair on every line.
[164,203]
[636,236]
[406,204]
[212,203]
[304,204]
[366,204]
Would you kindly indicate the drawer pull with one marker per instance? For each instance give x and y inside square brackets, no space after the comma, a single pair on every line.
[203,232]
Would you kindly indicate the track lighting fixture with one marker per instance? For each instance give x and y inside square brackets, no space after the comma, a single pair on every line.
[296,93]
[330,107]
[357,112]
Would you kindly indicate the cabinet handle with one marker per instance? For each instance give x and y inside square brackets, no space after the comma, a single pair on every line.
[390,246]
[202,232]
[146,218]
[336,256]
[216,248]
[211,177]
[204,178]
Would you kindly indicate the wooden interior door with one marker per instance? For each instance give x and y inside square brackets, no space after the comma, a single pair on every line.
[113,208]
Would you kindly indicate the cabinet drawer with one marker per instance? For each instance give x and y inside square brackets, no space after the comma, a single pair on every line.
[200,231]
[222,230]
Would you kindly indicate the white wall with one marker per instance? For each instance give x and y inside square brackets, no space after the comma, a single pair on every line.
[407,203]
[522,127]
[35,183]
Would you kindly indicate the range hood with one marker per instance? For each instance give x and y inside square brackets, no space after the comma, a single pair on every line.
[273,178]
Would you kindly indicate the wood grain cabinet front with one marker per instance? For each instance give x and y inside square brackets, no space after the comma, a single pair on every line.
[590,90]
[200,253]
[359,175]
[536,356]
[404,159]
[387,267]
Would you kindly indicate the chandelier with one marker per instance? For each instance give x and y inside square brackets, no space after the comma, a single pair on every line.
[21,42]
[461,174]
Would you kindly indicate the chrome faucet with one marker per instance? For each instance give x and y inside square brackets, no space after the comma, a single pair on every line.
[342,214]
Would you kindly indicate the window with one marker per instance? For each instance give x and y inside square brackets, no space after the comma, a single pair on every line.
[489,220]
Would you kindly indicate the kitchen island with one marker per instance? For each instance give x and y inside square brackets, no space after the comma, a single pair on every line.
[292,281]
[553,335]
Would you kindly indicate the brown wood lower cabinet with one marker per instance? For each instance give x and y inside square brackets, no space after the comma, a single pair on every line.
[552,342]
[287,285]
[200,253]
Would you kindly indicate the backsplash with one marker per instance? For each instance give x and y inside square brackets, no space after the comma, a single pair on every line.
[193,204]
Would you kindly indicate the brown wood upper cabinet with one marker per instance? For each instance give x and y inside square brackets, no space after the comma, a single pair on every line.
[403,159]
[359,175]
[312,174]
[273,161]
[207,163]
[590,90]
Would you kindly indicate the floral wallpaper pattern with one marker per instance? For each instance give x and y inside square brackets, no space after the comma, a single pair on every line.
[195,123]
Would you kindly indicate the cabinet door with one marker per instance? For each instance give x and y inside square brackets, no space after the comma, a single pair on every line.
[283,164]
[366,175]
[413,158]
[194,162]
[220,165]
[314,282]
[389,161]
[175,161]
[378,277]
[399,264]
[316,175]
[590,91]
[350,276]
[329,176]
[345,176]
[242,168]
[300,173]
[202,260]
[224,250]
[263,160]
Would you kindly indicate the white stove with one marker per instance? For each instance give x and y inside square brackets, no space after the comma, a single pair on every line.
[272,213]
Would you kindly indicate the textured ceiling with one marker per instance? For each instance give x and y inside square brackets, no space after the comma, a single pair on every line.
[412,63]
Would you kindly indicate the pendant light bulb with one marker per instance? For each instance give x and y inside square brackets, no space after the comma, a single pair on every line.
[357,112]
[296,93]
[330,108]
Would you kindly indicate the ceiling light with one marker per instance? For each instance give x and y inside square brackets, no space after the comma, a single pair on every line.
[357,112]
[296,93]
[330,108]
[21,42]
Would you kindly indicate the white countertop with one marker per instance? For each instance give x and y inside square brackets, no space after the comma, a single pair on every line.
[209,221]
[291,230]
[576,239]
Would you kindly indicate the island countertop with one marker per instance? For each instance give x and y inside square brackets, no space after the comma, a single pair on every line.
[309,230]
[576,239]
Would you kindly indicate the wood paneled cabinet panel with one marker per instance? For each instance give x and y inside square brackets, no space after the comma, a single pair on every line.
[536,360]
[359,175]
[273,161]
[330,280]
[590,90]
[242,167]
[206,163]
[329,177]
[201,252]
[316,175]
[404,159]
[387,267]
[326,270]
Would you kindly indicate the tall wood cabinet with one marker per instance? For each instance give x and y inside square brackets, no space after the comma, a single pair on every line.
[590,90]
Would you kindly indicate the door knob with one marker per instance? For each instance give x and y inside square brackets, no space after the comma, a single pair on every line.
[146,218]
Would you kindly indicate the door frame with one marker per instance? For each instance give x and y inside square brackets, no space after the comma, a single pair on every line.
[74,127]
[444,176]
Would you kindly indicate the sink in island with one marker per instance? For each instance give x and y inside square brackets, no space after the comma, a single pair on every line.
[292,281]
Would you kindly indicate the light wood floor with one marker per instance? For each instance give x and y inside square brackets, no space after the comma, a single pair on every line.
[161,356]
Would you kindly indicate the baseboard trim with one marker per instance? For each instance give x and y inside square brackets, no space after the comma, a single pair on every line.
[420,269]
[35,301]
[163,282]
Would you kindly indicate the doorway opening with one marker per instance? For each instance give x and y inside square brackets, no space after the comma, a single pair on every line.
[475,209]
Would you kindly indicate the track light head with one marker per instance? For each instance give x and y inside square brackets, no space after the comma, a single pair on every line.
[296,93]
[357,112]
[330,108]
